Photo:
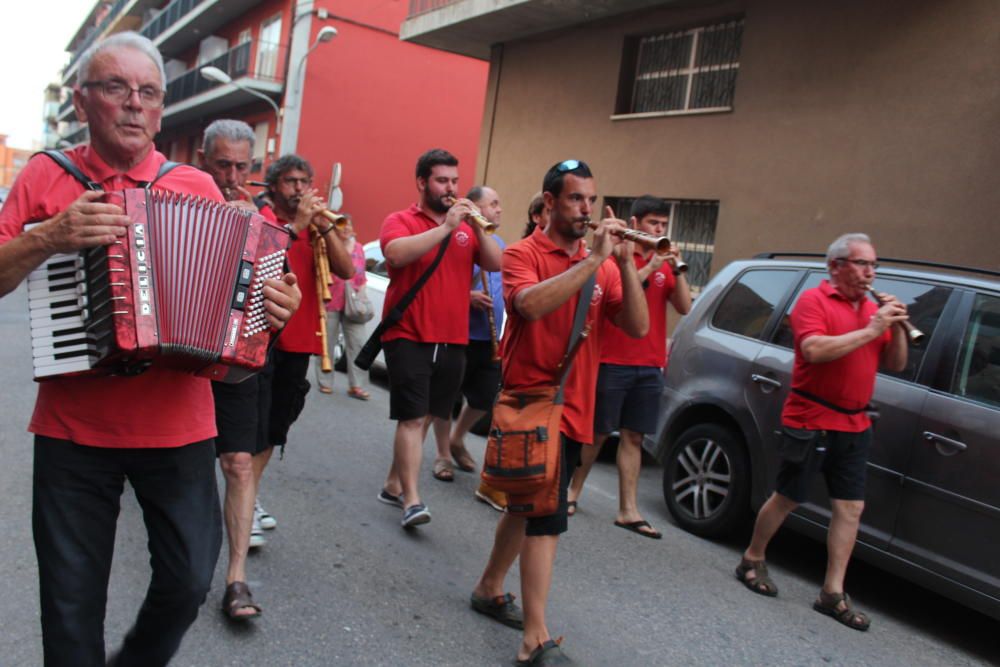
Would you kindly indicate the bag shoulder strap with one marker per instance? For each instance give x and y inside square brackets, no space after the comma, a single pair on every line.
[578,334]
[60,159]
[396,314]
[825,403]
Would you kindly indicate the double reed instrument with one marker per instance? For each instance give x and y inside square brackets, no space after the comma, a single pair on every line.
[487,226]
[659,244]
[490,317]
[914,334]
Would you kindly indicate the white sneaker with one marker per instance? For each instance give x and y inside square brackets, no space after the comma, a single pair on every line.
[260,515]
[257,538]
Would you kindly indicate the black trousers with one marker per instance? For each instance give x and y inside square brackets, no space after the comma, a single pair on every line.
[76,501]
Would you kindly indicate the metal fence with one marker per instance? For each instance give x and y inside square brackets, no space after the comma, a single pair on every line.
[170,15]
[235,62]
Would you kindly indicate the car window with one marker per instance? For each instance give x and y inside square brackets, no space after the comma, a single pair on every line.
[783,336]
[978,374]
[924,302]
[374,260]
[750,302]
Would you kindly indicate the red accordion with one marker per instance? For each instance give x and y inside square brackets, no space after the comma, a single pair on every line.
[183,289]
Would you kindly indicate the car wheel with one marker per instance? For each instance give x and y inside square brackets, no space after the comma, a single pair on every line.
[706,480]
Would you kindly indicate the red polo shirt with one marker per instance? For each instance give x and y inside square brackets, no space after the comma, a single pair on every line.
[617,347]
[159,408]
[848,381]
[533,349]
[440,311]
[302,332]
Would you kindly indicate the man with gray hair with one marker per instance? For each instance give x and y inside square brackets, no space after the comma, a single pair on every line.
[155,429]
[241,410]
[841,339]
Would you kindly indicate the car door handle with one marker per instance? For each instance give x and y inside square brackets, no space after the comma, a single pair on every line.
[761,379]
[947,442]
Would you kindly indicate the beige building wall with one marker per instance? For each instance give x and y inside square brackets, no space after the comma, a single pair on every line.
[861,115]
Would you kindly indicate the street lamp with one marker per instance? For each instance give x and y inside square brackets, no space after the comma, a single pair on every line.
[215,74]
[325,34]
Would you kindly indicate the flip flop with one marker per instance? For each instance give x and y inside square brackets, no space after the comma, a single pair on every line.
[443,472]
[637,526]
[358,393]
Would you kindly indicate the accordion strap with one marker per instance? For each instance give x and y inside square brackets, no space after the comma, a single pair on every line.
[60,159]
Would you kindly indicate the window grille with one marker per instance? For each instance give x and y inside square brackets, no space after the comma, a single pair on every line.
[684,71]
[691,229]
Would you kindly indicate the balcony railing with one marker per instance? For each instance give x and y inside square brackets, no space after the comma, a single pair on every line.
[77,136]
[99,30]
[170,15]
[238,62]
[423,6]
[64,107]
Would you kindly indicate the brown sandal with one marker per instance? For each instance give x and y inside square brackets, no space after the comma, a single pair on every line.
[443,472]
[827,603]
[760,582]
[238,598]
[463,459]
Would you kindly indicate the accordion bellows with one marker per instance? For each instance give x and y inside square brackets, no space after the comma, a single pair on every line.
[183,289]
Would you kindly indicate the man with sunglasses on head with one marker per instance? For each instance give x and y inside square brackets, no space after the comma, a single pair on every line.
[155,429]
[841,340]
[543,275]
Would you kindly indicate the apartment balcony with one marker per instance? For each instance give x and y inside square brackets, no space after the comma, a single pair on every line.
[123,15]
[255,65]
[77,136]
[471,27]
[183,23]
[66,111]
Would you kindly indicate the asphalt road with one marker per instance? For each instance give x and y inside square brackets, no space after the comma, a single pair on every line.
[342,584]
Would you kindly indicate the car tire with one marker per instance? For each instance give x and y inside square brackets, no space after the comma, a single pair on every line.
[706,481]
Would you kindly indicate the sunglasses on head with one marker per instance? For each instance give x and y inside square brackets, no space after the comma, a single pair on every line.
[568,165]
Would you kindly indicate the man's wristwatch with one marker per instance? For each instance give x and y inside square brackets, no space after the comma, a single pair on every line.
[324,232]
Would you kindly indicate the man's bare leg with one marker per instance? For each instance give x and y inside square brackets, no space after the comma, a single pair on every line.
[466,420]
[840,541]
[241,491]
[587,457]
[406,459]
[629,464]
[538,556]
[769,519]
[507,544]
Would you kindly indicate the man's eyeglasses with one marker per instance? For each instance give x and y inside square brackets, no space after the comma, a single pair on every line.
[568,165]
[860,263]
[117,91]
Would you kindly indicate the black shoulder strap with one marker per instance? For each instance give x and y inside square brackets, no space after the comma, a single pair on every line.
[165,168]
[396,314]
[60,159]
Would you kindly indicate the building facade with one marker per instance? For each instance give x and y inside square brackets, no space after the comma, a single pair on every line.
[774,125]
[355,96]
[12,160]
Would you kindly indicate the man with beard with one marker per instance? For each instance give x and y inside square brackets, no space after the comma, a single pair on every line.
[154,429]
[297,204]
[542,276]
[241,410]
[425,350]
